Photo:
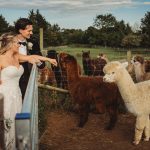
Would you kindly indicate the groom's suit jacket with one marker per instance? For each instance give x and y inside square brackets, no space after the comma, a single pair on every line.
[27,67]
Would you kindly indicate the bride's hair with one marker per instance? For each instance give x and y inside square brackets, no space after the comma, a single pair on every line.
[6,41]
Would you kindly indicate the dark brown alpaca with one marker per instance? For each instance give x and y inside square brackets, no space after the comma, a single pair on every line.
[87,90]
[93,66]
[64,72]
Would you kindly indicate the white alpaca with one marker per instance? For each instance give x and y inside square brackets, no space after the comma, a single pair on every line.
[136,97]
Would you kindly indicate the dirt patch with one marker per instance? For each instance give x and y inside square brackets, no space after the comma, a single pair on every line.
[62,133]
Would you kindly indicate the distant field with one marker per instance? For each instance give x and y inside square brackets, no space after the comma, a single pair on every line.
[112,54]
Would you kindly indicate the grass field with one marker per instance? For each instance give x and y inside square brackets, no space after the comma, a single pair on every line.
[112,54]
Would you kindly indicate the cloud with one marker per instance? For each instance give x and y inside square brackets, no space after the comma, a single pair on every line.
[63,4]
[75,13]
[70,7]
[147,3]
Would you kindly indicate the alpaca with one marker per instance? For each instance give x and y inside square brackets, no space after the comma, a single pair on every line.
[85,90]
[136,97]
[63,71]
[56,69]
[93,66]
[103,56]
[88,66]
[142,61]
[139,68]
[147,65]
[46,76]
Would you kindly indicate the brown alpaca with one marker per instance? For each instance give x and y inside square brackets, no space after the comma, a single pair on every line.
[140,59]
[93,66]
[85,90]
[46,76]
[147,65]
[140,67]
[63,71]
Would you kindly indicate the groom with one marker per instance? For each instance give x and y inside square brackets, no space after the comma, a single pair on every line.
[24,30]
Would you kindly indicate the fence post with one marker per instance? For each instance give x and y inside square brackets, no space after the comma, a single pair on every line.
[1,122]
[41,39]
[129,55]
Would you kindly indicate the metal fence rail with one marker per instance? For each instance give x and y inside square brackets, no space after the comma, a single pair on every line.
[27,120]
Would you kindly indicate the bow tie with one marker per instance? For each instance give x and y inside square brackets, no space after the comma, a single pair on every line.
[23,43]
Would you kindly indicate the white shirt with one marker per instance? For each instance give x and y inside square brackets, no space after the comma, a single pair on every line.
[22,49]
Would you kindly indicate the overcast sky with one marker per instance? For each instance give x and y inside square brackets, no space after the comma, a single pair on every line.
[78,14]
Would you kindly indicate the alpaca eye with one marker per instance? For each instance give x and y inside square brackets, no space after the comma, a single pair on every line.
[113,72]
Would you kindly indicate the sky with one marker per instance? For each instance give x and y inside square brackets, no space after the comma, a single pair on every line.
[77,14]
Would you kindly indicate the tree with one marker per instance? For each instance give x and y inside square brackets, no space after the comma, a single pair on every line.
[3,25]
[91,36]
[106,26]
[145,27]
[54,36]
[104,21]
[38,21]
[131,40]
[72,36]
[136,27]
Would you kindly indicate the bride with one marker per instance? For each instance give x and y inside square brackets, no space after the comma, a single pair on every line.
[10,73]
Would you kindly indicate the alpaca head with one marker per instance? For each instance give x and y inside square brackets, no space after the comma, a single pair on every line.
[66,60]
[112,71]
[138,64]
[138,59]
[86,55]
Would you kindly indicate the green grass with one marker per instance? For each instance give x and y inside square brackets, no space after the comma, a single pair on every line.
[112,53]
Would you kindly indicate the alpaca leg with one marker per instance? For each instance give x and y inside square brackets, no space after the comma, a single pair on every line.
[84,113]
[147,129]
[139,127]
[100,107]
[112,110]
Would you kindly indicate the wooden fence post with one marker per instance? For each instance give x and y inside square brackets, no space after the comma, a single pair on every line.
[41,39]
[1,122]
[129,55]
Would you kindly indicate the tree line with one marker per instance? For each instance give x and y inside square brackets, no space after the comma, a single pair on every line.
[105,31]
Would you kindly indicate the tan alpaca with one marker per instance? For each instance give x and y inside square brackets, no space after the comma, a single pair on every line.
[139,68]
[136,97]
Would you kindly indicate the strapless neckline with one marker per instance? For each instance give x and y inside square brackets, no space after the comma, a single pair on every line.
[12,66]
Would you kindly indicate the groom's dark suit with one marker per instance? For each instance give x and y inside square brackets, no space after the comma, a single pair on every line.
[27,67]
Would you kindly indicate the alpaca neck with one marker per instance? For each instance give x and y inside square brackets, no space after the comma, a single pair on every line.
[126,86]
[72,72]
[139,72]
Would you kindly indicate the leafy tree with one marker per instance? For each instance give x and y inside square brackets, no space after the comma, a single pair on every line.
[3,25]
[136,28]
[104,21]
[145,27]
[54,36]
[91,36]
[111,31]
[38,21]
[71,36]
[108,26]
[131,40]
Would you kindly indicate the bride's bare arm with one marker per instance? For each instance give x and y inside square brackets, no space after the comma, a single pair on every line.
[35,59]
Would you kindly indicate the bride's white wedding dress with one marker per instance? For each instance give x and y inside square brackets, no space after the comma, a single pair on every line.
[12,101]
